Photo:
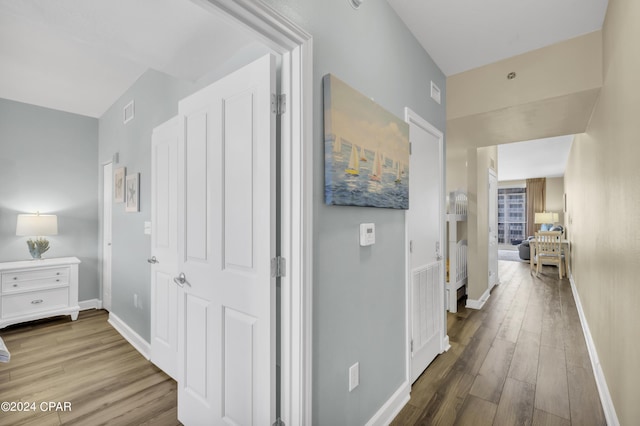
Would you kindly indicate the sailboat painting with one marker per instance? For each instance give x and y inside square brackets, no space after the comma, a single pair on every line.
[366,150]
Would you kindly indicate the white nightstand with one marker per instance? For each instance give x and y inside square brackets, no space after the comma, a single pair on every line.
[34,289]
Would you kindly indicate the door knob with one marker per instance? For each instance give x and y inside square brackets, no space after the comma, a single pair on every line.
[181,280]
[153,260]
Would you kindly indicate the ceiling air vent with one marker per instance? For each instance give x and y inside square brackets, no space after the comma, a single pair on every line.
[128,112]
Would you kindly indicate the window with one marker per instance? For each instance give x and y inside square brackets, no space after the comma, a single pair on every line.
[512,214]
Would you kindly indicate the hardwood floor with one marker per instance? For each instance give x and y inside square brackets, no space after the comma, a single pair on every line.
[521,360]
[87,363]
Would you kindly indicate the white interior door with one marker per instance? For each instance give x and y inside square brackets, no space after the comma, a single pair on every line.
[226,242]
[493,229]
[425,221]
[107,203]
[165,294]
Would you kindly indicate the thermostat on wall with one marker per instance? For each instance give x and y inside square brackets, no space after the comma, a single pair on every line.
[367,234]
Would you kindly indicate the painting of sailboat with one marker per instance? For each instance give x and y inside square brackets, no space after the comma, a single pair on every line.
[366,150]
[354,162]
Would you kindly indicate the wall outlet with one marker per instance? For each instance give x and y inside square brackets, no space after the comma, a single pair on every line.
[354,376]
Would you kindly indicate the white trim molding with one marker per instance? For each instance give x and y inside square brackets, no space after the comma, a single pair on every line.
[605,396]
[90,304]
[392,407]
[411,117]
[296,47]
[479,304]
[130,336]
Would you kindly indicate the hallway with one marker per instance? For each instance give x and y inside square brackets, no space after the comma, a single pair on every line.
[522,359]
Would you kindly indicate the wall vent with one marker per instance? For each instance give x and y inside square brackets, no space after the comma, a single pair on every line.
[435,92]
[128,112]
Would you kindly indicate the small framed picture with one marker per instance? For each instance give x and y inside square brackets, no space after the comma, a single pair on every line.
[118,185]
[132,192]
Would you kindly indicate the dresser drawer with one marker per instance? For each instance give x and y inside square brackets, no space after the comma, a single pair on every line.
[35,301]
[18,281]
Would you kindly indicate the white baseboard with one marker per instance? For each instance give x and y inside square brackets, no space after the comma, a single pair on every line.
[445,344]
[90,304]
[478,304]
[605,396]
[392,407]
[130,336]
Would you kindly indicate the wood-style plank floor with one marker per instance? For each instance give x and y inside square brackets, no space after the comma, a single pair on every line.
[521,360]
[87,363]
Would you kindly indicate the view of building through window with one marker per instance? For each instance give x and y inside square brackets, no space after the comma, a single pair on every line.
[512,215]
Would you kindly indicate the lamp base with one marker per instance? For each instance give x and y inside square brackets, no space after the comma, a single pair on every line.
[37,247]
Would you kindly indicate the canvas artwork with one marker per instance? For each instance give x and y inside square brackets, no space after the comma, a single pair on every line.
[118,185]
[132,188]
[366,150]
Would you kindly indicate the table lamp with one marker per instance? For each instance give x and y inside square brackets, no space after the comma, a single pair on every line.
[38,226]
[545,219]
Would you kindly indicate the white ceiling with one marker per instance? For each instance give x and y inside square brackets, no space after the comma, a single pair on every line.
[532,159]
[464,34]
[81,55]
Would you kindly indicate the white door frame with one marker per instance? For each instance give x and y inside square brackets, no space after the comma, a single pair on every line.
[491,174]
[413,118]
[295,45]
[106,301]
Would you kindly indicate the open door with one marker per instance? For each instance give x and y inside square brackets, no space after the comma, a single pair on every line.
[165,296]
[425,224]
[226,240]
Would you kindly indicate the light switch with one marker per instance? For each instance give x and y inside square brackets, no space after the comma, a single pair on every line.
[367,234]
[147,228]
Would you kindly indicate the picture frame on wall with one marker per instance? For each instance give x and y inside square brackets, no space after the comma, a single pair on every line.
[366,150]
[118,185]
[132,193]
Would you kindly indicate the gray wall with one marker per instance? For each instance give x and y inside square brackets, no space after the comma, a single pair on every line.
[47,164]
[359,293]
[156,98]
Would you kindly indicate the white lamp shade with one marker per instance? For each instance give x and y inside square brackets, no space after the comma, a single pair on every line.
[37,225]
[546,217]
[556,218]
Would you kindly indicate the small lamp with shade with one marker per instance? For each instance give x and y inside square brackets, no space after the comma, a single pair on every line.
[545,219]
[37,226]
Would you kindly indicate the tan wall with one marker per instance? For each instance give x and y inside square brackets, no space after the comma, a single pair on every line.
[554,200]
[456,168]
[479,161]
[512,183]
[553,71]
[602,182]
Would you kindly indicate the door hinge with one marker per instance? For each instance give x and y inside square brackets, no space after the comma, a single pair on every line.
[278,104]
[410,246]
[278,267]
[278,422]
[410,145]
[411,345]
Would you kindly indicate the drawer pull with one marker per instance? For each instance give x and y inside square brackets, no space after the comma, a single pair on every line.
[15,285]
[57,273]
[15,278]
[36,302]
[57,281]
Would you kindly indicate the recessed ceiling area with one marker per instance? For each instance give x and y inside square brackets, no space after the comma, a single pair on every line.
[465,34]
[80,56]
[532,159]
